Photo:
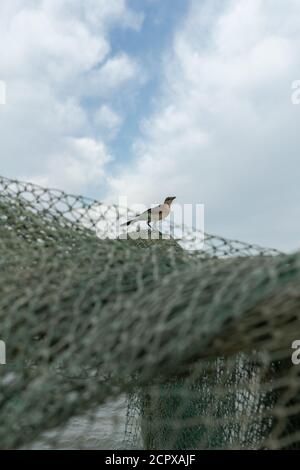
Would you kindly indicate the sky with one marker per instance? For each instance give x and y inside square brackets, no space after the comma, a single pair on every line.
[151,98]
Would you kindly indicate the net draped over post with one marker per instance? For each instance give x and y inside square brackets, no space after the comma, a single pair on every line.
[199,340]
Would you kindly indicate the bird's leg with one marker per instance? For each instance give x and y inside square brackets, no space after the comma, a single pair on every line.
[149,220]
[158,229]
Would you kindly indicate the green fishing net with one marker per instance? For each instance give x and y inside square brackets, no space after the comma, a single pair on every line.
[177,346]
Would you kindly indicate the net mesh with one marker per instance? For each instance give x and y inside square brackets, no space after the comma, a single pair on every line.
[198,340]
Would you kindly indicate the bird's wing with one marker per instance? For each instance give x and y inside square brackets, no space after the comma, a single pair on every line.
[147,214]
[144,215]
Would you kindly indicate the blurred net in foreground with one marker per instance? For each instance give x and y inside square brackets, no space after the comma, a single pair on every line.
[199,341]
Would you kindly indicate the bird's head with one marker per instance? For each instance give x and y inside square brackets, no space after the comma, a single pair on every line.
[169,200]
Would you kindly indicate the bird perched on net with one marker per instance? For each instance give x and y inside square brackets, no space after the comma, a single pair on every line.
[154,214]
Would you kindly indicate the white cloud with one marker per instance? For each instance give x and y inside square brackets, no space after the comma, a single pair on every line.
[38,41]
[51,52]
[224,132]
[79,163]
[108,120]
[115,73]
[107,13]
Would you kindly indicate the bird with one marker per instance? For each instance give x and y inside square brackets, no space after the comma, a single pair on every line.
[155,213]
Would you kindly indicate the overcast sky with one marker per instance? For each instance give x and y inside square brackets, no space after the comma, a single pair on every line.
[149,98]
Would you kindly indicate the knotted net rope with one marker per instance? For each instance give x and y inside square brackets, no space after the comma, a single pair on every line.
[198,339]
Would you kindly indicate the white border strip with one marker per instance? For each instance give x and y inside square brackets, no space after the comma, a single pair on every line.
[2,353]
[2,92]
